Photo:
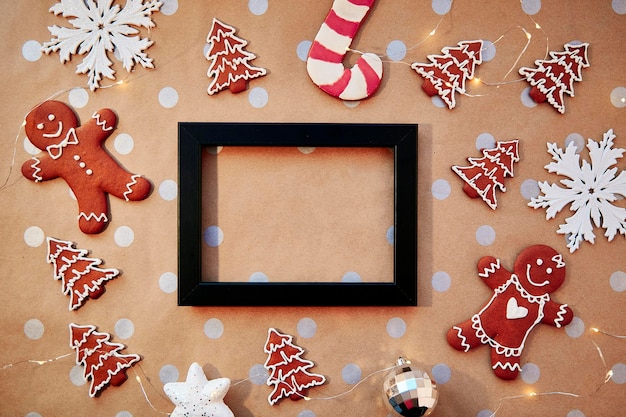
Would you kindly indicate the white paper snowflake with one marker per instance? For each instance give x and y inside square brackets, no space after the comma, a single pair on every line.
[591,188]
[99,28]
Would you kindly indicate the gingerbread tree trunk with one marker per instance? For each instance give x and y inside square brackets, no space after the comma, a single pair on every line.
[288,371]
[103,363]
[80,276]
[554,78]
[230,62]
[486,174]
[447,74]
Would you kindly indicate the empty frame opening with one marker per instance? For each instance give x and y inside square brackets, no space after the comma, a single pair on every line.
[297,214]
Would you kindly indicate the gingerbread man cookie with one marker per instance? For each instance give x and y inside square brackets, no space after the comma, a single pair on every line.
[520,301]
[76,154]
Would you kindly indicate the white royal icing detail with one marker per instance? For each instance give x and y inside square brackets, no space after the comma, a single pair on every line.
[55,134]
[491,269]
[536,284]
[514,311]
[463,339]
[56,150]
[560,315]
[507,365]
[558,258]
[36,169]
[101,123]
[130,184]
[100,218]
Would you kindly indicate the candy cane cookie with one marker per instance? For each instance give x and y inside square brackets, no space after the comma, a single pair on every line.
[325,61]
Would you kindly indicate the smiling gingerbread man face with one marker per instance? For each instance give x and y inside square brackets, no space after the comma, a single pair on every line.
[540,269]
[49,124]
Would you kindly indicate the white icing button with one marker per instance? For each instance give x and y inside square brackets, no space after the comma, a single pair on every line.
[76,157]
[51,117]
[89,172]
[40,126]
[82,165]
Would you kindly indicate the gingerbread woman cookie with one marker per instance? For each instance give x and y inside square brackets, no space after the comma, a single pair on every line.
[520,301]
[76,154]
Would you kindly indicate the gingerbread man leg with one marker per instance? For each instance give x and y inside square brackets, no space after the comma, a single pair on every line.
[463,336]
[92,211]
[505,367]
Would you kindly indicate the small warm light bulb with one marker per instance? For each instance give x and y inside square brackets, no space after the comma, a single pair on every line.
[307,398]
[138,379]
[595,330]
[432,32]
[537,26]
[532,394]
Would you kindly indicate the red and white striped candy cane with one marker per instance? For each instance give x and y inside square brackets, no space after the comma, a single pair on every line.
[325,61]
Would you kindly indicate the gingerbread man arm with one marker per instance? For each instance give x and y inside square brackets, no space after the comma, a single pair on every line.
[492,272]
[100,127]
[39,168]
[556,314]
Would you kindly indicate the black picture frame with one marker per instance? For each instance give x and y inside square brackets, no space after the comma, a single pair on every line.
[193,291]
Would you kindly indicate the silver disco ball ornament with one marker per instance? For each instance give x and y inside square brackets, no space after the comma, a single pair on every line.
[409,391]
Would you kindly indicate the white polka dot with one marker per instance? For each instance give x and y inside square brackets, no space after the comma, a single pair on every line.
[168,97]
[619,373]
[31,51]
[351,374]
[441,7]
[33,414]
[351,104]
[575,413]
[391,235]
[168,190]
[485,141]
[440,189]
[531,7]
[485,235]
[441,373]
[489,51]
[576,328]
[258,277]
[306,413]
[76,376]
[351,277]
[306,149]
[527,99]
[123,143]
[396,327]
[78,97]
[169,7]
[577,139]
[213,328]
[530,373]
[440,281]
[124,414]
[302,50]
[619,6]
[34,236]
[168,282]
[485,413]
[258,97]
[618,281]
[213,236]
[30,148]
[438,102]
[258,374]
[396,50]
[618,97]
[257,7]
[124,236]
[529,189]
[168,373]
[34,329]
[124,328]
[307,327]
